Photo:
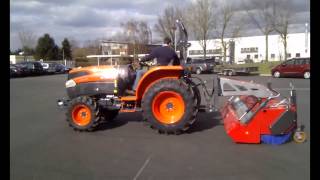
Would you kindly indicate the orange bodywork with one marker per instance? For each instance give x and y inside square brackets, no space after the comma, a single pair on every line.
[96,74]
[109,74]
[90,68]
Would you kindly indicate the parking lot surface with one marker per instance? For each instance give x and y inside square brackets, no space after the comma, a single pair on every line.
[43,146]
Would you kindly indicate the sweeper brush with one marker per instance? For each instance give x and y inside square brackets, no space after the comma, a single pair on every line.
[255,113]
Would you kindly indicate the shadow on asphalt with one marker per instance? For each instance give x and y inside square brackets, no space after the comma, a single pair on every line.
[204,121]
[110,125]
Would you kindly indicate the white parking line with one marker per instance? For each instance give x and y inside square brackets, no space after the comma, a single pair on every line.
[142,168]
[284,89]
[288,89]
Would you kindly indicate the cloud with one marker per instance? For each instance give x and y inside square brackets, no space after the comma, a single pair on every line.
[90,19]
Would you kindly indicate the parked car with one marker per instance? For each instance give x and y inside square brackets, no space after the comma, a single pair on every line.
[199,66]
[31,67]
[295,67]
[15,71]
[59,68]
[47,69]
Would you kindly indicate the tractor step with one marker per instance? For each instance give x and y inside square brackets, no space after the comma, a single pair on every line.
[131,110]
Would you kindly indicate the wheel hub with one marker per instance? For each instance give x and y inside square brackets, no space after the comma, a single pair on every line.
[81,115]
[168,107]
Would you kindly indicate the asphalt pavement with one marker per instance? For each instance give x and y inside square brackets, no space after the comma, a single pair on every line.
[43,146]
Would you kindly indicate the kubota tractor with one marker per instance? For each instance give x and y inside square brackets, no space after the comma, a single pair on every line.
[169,99]
[166,95]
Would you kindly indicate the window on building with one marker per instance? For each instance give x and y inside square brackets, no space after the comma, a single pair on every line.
[249,50]
[248,56]
[256,56]
[289,55]
[273,56]
[297,54]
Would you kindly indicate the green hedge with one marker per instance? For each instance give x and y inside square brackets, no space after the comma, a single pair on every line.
[264,68]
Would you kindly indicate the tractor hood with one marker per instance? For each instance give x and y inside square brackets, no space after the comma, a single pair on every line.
[97,73]
[96,80]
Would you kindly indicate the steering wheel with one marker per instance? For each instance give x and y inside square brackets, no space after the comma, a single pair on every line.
[144,64]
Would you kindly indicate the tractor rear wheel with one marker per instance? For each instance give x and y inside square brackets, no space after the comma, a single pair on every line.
[170,106]
[83,114]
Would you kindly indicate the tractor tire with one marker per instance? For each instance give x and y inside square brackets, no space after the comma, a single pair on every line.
[197,94]
[83,114]
[169,106]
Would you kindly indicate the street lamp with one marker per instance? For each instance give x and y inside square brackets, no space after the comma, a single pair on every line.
[306,38]
[175,39]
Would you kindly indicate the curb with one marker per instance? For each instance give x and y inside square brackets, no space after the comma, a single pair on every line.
[265,74]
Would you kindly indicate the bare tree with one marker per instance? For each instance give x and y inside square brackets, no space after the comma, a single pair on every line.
[136,32]
[201,22]
[74,43]
[144,33]
[227,25]
[28,42]
[261,14]
[165,25]
[282,18]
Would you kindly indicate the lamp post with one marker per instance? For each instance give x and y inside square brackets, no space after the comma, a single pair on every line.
[306,39]
[65,63]
[174,28]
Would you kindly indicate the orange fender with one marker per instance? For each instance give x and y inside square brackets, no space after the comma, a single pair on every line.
[154,74]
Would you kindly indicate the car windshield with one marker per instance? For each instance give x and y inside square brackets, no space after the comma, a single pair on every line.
[21,65]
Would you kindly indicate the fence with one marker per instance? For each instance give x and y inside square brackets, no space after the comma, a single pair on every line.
[67,63]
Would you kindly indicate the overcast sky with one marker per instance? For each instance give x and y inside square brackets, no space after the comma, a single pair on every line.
[83,20]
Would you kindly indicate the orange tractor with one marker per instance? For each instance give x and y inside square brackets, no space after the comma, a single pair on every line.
[166,95]
[169,98]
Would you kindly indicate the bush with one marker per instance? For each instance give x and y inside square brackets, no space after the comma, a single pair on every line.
[264,67]
[83,62]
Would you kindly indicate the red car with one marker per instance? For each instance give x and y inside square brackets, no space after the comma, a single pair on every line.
[296,67]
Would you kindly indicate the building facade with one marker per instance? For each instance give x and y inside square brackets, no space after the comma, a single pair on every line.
[253,48]
[18,58]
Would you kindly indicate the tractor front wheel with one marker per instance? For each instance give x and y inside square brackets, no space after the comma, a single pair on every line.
[169,106]
[83,114]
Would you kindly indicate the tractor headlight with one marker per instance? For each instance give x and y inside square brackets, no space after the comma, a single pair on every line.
[70,83]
